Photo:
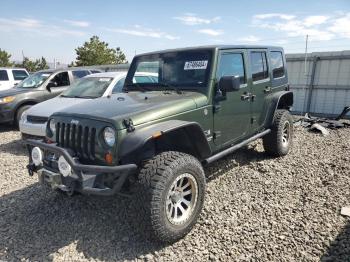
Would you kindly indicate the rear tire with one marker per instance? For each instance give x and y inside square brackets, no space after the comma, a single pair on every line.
[19,113]
[170,195]
[279,141]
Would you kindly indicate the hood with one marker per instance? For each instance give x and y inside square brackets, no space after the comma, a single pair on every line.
[138,106]
[48,107]
[15,91]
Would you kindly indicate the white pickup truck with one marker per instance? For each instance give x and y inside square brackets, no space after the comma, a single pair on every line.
[9,77]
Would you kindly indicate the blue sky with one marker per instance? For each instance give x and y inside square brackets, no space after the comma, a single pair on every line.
[53,29]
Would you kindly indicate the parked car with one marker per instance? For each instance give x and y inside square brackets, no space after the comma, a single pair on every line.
[36,88]
[153,140]
[9,77]
[33,121]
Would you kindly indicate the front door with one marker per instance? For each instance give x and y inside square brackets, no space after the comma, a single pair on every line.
[232,112]
[62,81]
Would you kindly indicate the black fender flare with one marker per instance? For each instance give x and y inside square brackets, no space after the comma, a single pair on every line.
[141,136]
[278,100]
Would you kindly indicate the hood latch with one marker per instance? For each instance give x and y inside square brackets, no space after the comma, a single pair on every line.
[129,125]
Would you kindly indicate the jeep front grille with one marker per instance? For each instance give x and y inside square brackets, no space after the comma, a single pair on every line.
[81,139]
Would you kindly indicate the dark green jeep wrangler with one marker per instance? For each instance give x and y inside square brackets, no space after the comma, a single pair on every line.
[200,104]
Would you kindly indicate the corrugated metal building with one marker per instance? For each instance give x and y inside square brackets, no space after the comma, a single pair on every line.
[321,85]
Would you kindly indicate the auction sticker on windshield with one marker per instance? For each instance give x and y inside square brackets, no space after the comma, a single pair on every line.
[195,65]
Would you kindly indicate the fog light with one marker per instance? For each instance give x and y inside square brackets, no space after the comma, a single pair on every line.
[37,156]
[64,167]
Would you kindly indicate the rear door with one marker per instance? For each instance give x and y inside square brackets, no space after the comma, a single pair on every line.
[260,87]
[19,75]
[4,80]
[232,113]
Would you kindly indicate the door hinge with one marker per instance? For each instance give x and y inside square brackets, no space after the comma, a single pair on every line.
[216,134]
[252,120]
[217,108]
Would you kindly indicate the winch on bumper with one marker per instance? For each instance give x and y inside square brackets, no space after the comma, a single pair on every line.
[72,175]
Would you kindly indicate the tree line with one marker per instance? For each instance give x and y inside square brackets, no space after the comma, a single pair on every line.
[92,52]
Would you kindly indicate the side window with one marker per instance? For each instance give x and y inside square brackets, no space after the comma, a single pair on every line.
[118,86]
[232,64]
[79,74]
[19,75]
[259,66]
[62,79]
[277,65]
[95,71]
[3,75]
[142,79]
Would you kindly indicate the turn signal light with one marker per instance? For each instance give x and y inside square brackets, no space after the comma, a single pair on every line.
[157,134]
[109,158]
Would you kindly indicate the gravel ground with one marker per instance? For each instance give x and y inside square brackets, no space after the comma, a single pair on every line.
[257,208]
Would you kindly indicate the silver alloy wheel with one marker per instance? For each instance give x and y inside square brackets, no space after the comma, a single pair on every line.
[286,134]
[181,199]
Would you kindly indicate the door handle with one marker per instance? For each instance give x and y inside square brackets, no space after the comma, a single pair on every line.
[245,96]
[267,89]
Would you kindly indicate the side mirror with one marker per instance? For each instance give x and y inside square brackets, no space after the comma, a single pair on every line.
[50,85]
[229,84]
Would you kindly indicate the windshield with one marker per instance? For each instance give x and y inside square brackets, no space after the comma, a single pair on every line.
[34,80]
[90,87]
[183,69]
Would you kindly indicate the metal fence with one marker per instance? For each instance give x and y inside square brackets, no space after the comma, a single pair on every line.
[321,83]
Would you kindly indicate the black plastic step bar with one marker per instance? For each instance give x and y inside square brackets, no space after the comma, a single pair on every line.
[235,147]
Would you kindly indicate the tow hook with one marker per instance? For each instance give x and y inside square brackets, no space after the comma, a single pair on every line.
[31,169]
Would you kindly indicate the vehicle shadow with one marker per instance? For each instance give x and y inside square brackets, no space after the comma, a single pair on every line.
[242,157]
[339,249]
[7,128]
[15,147]
[36,222]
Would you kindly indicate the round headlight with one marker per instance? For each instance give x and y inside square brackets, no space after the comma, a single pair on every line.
[37,156]
[109,136]
[52,126]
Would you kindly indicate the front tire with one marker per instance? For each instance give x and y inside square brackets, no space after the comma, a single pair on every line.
[279,141]
[170,195]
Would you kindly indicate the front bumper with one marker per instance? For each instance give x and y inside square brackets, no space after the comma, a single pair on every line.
[6,116]
[84,178]
[32,129]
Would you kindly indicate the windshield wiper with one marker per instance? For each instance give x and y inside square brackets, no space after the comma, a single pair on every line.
[176,89]
[141,88]
[78,96]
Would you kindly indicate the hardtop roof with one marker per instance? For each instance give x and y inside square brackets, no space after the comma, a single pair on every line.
[213,47]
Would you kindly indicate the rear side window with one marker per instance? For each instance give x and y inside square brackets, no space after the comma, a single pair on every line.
[259,66]
[80,74]
[3,75]
[118,86]
[95,71]
[277,65]
[232,64]
[19,75]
